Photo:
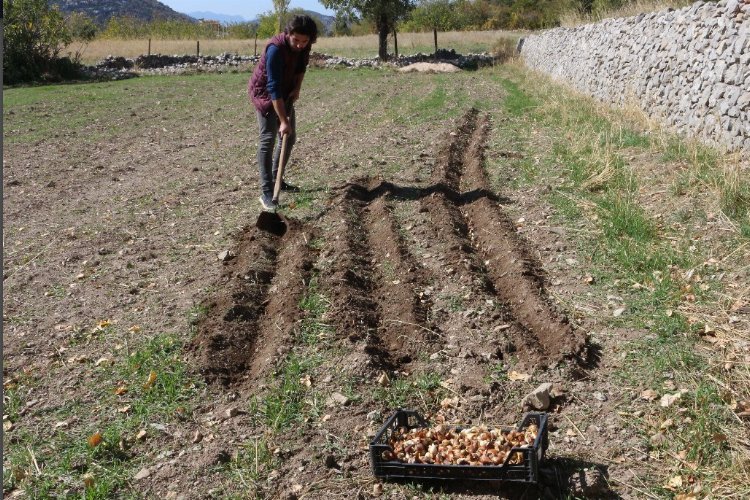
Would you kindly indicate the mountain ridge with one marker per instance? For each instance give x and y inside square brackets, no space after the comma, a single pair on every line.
[102,11]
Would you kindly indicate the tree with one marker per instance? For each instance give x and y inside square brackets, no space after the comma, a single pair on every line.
[434,15]
[33,34]
[267,22]
[383,13]
[281,7]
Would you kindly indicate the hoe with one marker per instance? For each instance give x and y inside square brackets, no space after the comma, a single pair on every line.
[269,220]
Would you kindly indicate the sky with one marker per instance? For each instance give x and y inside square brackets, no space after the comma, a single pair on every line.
[249,9]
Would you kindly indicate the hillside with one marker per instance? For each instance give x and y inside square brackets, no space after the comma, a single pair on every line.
[102,10]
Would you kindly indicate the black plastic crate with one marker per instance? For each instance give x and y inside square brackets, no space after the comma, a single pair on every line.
[525,472]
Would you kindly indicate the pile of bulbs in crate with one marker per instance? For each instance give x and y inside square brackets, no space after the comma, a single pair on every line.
[449,446]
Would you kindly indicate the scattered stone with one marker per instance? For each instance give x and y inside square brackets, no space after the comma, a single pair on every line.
[374,416]
[338,398]
[539,398]
[227,255]
[142,474]
[600,396]
[197,437]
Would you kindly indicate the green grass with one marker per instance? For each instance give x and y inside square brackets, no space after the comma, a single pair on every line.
[66,460]
[251,466]
[516,102]
[285,404]
[420,390]
[628,246]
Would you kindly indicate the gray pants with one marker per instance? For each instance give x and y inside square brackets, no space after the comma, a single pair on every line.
[269,150]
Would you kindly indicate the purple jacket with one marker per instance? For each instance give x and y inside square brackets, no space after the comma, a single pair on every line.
[257,87]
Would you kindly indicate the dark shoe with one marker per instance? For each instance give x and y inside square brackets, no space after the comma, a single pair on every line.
[267,203]
[289,188]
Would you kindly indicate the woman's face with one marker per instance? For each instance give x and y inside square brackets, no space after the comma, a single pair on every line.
[298,41]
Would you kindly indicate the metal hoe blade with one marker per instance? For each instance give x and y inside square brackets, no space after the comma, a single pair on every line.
[271,221]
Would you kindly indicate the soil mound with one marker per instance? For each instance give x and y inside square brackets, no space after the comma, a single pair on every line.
[379,287]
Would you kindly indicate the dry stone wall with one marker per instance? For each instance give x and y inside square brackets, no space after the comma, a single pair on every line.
[688,68]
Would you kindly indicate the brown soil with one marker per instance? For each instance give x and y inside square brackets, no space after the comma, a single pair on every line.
[424,271]
[381,292]
[252,318]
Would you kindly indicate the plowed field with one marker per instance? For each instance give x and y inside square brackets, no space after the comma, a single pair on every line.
[157,343]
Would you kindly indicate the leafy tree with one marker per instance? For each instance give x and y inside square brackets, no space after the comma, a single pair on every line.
[281,7]
[434,15]
[342,25]
[242,30]
[267,22]
[81,27]
[383,13]
[33,34]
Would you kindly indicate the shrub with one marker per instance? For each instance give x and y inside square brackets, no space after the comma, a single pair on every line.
[32,38]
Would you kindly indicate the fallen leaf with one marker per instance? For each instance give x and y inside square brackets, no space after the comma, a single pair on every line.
[674,483]
[141,435]
[95,440]
[515,376]
[668,400]
[449,403]
[19,474]
[383,379]
[124,409]
[7,425]
[88,480]
[667,424]
[134,329]
[102,361]
[685,496]
[306,381]
[151,380]
[649,395]
[121,390]
[103,324]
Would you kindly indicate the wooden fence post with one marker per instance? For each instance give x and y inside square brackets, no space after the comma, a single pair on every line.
[197,48]
[255,50]
[149,46]
[434,34]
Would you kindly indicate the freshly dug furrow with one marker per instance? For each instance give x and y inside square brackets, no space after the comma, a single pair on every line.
[346,273]
[282,312]
[489,242]
[256,308]
[399,280]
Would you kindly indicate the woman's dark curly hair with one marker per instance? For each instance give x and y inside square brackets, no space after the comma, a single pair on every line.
[303,25]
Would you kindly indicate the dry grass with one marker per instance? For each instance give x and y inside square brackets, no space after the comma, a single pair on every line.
[348,46]
[572,18]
